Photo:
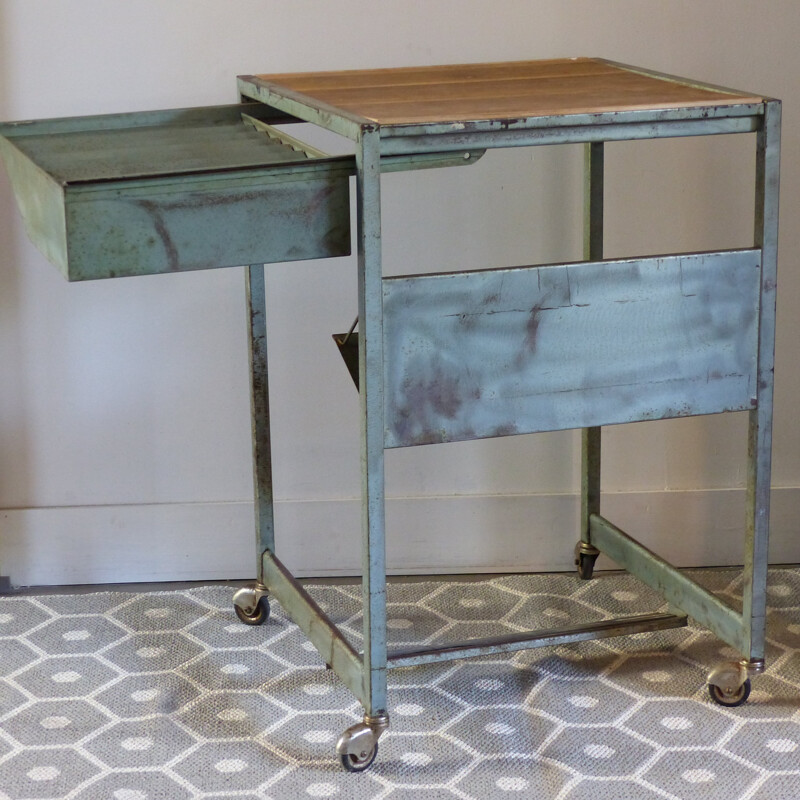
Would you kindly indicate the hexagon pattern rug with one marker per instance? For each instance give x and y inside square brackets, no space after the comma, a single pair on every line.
[167,696]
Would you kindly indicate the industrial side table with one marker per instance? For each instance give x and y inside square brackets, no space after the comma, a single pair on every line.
[448,356]
[455,356]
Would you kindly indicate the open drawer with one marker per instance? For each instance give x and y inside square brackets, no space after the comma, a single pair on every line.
[166,191]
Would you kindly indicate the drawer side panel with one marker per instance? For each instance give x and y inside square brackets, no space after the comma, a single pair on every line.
[40,201]
[499,352]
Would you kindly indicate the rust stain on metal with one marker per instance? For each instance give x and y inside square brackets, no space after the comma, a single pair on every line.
[436,393]
[170,249]
[532,328]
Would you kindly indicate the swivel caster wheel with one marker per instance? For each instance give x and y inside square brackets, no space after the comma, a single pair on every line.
[358,745]
[251,605]
[257,617]
[585,558]
[730,698]
[729,683]
[358,762]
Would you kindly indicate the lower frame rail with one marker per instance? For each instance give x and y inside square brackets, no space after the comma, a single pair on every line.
[675,587]
[522,641]
[315,624]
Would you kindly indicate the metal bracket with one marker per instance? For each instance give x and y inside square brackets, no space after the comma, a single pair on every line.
[359,740]
[284,138]
[585,549]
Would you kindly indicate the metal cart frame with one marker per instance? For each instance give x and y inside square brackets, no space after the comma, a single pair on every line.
[98,208]
[365,674]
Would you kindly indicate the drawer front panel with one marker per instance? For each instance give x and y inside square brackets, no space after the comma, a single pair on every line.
[497,352]
[201,223]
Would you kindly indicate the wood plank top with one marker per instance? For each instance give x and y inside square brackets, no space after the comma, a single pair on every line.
[499,91]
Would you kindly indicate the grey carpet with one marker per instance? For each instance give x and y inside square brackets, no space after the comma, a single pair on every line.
[118,696]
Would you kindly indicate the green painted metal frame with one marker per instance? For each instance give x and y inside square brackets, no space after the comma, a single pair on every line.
[591,438]
[340,656]
[759,440]
[677,589]
[149,192]
[168,191]
[744,631]
[406,147]
[255,292]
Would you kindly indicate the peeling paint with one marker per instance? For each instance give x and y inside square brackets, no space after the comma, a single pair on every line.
[567,346]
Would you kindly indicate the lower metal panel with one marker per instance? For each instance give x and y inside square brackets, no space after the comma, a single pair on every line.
[498,352]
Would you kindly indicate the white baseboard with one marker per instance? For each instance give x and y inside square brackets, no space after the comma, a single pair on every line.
[494,533]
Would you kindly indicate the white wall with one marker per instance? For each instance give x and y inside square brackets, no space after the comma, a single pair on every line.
[124,420]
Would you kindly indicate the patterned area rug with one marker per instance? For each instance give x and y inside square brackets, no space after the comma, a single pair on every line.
[120,696]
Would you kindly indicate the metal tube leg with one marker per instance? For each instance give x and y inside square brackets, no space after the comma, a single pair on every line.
[590,479]
[259,411]
[729,683]
[250,602]
[586,553]
[370,342]
[760,428]
[594,163]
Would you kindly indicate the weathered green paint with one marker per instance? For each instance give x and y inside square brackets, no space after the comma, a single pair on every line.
[448,395]
[403,163]
[315,624]
[371,392]
[170,191]
[255,294]
[172,117]
[591,438]
[186,190]
[284,138]
[759,439]
[195,188]
[190,224]
[343,123]
[610,129]
[499,352]
[674,586]
[41,204]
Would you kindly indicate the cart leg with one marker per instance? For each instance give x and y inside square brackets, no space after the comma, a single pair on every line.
[729,684]
[585,552]
[358,745]
[250,602]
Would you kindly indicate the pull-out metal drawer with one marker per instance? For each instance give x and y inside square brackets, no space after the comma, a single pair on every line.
[167,191]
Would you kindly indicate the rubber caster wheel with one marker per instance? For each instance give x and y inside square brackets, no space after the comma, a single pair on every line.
[360,762]
[730,699]
[585,564]
[258,617]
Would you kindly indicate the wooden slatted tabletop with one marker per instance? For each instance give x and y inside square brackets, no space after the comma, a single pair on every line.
[500,91]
